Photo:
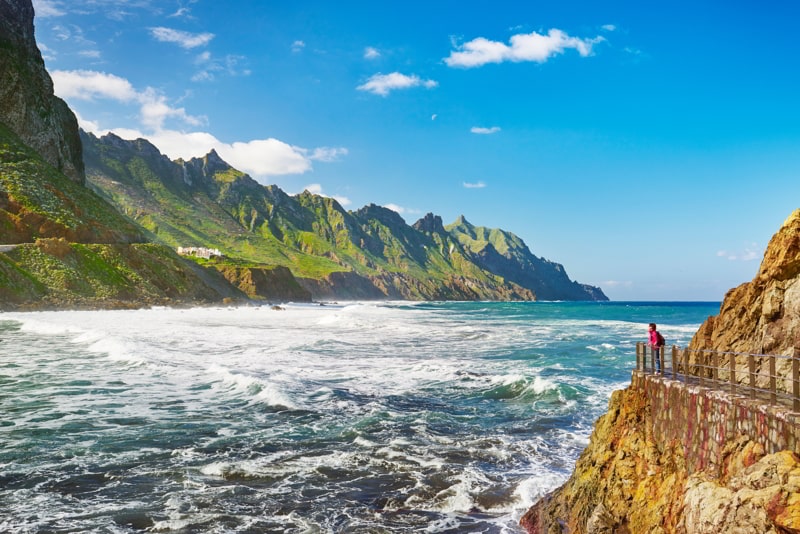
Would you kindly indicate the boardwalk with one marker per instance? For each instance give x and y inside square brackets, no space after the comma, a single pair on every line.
[769,378]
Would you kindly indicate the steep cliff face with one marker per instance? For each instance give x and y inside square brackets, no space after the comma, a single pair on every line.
[266,283]
[27,103]
[38,201]
[669,457]
[632,479]
[762,316]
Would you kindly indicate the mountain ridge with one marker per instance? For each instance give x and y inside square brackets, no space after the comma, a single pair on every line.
[62,189]
[323,244]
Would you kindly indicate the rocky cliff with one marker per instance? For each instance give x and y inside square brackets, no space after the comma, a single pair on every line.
[265,283]
[762,316]
[27,103]
[634,479]
[668,457]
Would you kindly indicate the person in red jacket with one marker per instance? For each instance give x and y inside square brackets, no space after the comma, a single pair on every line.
[656,341]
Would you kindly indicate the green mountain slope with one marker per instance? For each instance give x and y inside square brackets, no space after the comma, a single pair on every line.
[202,202]
[335,253]
[38,201]
[75,250]
[506,254]
[62,244]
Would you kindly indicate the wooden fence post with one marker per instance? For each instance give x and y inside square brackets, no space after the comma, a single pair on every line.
[733,372]
[773,380]
[638,355]
[715,366]
[701,365]
[796,379]
[751,368]
[674,363]
[652,360]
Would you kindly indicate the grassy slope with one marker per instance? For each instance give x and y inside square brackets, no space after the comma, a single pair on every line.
[82,255]
[312,235]
[56,273]
[177,214]
[36,200]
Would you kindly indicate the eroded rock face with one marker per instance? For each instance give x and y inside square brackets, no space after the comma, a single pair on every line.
[629,480]
[275,283]
[27,103]
[762,316]
[764,497]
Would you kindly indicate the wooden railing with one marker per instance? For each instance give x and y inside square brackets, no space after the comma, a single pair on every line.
[772,378]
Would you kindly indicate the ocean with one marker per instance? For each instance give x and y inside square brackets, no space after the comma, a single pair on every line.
[360,417]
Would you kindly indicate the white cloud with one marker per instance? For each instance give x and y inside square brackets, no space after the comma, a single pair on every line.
[92,54]
[88,85]
[433,117]
[91,85]
[181,12]
[210,66]
[181,38]
[474,185]
[371,53]
[298,46]
[47,8]
[750,253]
[609,27]
[260,157]
[617,283]
[328,154]
[400,210]
[523,47]
[395,208]
[264,157]
[383,84]
[484,131]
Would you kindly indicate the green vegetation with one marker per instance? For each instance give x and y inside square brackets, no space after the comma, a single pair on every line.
[54,272]
[36,200]
[206,203]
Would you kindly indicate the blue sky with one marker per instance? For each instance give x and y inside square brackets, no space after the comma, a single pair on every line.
[651,148]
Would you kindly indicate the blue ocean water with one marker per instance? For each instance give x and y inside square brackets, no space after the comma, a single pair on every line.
[352,417]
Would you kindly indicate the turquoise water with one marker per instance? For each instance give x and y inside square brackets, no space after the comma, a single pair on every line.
[353,417]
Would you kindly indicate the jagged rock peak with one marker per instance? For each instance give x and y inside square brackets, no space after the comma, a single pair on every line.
[207,165]
[431,224]
[212,158]
[140,145]
[462,221]
[782,257]
[381,213]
